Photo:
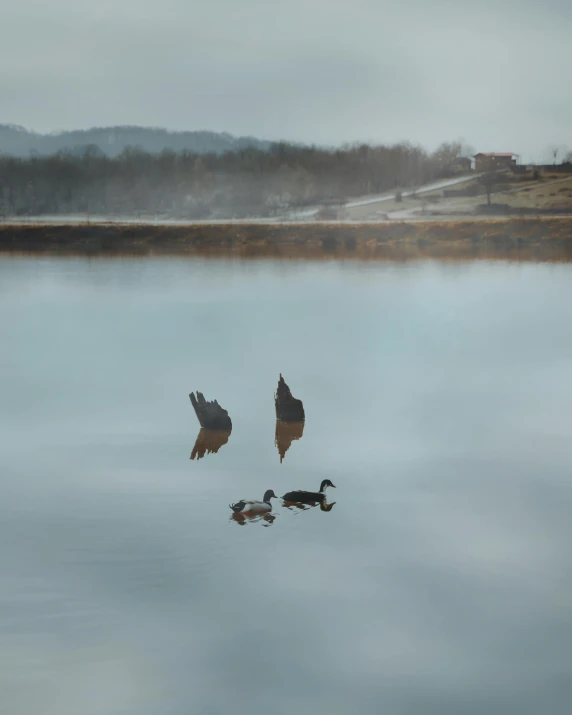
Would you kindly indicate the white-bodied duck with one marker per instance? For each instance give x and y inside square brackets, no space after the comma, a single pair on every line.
[254,507]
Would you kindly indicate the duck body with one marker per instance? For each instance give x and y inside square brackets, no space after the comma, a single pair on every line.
[303,497]
[245,506]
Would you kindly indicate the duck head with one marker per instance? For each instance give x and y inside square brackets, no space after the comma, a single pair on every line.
[326,483]
[268,495]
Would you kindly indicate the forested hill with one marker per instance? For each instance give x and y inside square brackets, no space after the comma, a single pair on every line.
[111,141]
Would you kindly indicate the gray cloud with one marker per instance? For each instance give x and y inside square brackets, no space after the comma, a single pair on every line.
[315,71]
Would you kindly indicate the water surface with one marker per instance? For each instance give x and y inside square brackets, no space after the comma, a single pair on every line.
[438,399]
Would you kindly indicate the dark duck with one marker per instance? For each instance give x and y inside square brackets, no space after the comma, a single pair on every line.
[304,497]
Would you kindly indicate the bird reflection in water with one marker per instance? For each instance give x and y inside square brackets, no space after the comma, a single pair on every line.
[326,507]
[209,441]
[286,433]
[306,505]
[242,519]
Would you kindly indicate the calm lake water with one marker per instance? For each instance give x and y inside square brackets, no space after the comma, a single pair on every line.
[438,400]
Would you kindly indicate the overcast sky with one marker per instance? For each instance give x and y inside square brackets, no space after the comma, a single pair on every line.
[493,72]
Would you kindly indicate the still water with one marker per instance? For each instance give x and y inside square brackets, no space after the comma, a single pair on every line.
[438,400]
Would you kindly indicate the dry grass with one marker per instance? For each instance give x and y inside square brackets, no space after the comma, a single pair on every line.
[553,191]
[519,239]
[371,212]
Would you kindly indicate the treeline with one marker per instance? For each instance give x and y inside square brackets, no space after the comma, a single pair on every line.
[111,141]
[248,182]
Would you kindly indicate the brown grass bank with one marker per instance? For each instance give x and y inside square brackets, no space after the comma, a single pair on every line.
[517,239]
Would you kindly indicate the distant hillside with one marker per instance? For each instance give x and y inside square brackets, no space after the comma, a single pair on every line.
[18,141]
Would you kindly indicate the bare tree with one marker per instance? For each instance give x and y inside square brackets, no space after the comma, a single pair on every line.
[189,185]
[489,179]
[557,150]
[446,153]
[467,150]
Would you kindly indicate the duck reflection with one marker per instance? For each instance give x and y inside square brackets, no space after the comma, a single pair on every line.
[209,441]
[286,433]
[324,506]
[242,519]
[305,506]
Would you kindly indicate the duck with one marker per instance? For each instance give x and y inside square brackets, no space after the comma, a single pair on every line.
[254,507]
[301,496]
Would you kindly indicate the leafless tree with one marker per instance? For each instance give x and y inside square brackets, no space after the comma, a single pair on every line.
[190,185]
[557,150]
[489,181]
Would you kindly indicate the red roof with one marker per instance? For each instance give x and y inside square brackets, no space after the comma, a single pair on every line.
[494,153]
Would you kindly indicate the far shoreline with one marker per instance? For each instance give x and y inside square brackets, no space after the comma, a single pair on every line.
[525,239]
